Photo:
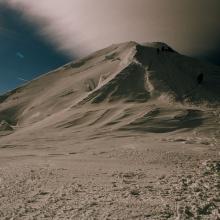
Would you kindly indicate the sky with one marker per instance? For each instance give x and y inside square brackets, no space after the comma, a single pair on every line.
[24,54]
[37,36]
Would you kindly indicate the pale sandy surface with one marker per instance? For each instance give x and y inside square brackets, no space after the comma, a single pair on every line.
[110,178]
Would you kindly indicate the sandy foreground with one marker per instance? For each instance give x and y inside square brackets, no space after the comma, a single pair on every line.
[119,176]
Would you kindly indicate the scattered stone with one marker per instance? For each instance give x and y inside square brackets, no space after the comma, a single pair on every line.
[135,192]
[5,126]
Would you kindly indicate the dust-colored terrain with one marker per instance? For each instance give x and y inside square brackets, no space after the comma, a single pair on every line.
[125,133]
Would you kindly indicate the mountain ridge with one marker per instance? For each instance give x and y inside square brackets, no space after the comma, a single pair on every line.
[127,74]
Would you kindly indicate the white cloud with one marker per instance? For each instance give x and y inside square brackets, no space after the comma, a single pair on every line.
[82,26]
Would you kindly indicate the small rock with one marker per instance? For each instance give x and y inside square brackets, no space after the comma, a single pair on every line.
[135,192]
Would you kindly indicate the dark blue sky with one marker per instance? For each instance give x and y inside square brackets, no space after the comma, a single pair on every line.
[23,54]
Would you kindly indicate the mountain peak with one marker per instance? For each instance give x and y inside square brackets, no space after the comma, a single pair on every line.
[158,45]
[122,73]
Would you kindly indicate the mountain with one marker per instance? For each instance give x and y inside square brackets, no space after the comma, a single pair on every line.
[143,87]
[128,132]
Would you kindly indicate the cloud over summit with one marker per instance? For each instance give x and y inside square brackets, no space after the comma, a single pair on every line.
[82,26]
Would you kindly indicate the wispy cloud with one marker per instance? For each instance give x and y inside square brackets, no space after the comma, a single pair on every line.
[20,55]
[81,26]
[7,32]
[22,79]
